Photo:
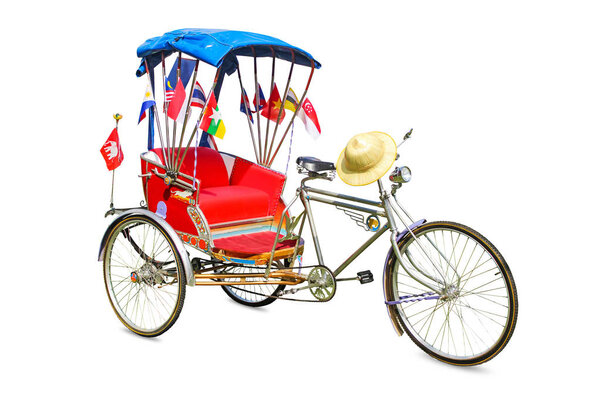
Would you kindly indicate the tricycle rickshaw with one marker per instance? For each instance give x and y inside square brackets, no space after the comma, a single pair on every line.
[213,218]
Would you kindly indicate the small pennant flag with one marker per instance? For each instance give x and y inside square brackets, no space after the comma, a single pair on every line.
[245,104]
[291,101]
[176,109]
[187,68]
[261,99]
[273,107]
[147,102]
[308,115]
[198,96]
[111,151]
[212,121]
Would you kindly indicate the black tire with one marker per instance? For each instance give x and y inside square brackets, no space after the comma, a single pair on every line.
[497,307]
[142,262]
[251,295]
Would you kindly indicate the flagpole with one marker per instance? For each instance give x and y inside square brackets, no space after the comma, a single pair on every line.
[257,105]
[175,121]
[198,122]
[165,107]
[156,114]
[117,117]
[269,106]
[187,112]
[247,109]
[312,71]
[285,93]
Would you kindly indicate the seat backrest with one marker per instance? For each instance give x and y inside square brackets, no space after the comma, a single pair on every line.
[210,167]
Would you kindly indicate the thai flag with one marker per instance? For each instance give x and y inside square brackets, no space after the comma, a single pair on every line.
[198,96]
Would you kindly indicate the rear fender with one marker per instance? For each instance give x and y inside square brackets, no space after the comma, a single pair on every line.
[391,309]
[187,266]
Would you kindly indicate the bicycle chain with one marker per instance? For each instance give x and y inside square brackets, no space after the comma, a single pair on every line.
[281,297]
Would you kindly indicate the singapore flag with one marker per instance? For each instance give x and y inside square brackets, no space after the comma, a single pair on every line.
[308,115]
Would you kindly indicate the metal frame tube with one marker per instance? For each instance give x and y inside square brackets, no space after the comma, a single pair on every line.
[287,87]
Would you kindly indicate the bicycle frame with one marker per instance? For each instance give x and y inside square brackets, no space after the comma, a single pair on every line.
[384,208]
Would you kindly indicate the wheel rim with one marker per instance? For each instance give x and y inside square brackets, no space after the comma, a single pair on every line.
[472,315]
[142,276]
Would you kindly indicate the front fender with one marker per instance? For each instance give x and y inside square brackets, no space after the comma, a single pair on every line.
[187,266]
[391,309]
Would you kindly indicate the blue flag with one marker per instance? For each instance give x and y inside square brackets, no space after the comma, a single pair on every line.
[244,103]
[187,68]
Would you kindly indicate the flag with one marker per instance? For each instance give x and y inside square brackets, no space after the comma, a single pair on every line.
[245,104]
[187,68]
[111,151]
[291,101]
[261,100]
[147,102]
[198,96]
[208,141]
[212,121]
[176,109]
[273,107]
[308,115]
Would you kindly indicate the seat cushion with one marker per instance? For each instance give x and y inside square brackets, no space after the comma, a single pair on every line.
[251,243]
[232,203]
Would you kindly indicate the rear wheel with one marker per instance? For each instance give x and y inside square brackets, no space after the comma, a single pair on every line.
[252,295]
[144,276]
[473,316]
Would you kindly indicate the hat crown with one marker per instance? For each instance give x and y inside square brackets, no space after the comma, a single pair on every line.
[362,152]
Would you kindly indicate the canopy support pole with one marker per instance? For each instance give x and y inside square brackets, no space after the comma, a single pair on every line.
[269,105]
[187,112]
[175,121]
[257,106]
[166,107]
[247,109]
[285,93]
[187,147]
[157,117]
[312,71]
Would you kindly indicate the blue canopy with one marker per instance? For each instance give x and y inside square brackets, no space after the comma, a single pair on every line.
[219,48]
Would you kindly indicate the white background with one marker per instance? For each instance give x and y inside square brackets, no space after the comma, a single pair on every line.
[504,99]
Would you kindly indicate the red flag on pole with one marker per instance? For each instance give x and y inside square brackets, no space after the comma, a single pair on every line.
[176,104]
[308,115]
[111,151]
[271,111]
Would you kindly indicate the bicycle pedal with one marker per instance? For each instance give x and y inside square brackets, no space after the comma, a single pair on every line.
[365,277]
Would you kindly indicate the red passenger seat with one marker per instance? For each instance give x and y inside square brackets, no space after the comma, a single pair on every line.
[238,191]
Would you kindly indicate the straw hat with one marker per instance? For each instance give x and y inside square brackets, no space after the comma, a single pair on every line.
[366,158]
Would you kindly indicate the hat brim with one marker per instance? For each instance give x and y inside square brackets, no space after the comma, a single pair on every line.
[374,173]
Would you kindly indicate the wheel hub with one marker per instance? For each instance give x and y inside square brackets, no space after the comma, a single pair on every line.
[451,292]
[148,273]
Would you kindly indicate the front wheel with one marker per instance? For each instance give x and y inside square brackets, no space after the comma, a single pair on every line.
[468,311]
[144,276]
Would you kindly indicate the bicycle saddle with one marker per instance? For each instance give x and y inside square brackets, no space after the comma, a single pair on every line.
[313,164]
